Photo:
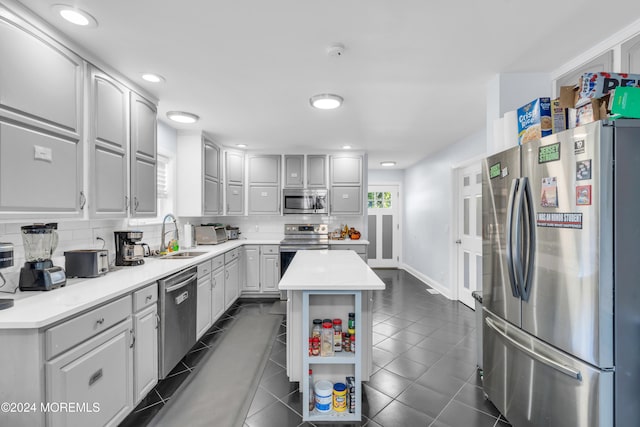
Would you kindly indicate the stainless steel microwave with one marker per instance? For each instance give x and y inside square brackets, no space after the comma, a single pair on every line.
[299,201]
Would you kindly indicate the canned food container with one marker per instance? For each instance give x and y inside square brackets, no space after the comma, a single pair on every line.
[339,397]
[324,395]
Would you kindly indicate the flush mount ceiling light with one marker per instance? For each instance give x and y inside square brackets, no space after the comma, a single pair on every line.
[241,145]
[182,117]
[387,164]
[346,147]
[326,101]
[75,16]
[153,78]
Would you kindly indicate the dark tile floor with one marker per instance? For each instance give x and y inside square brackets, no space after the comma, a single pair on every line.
[424,366]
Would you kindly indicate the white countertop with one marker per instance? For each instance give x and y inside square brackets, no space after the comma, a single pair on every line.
[38,309]
[329,270]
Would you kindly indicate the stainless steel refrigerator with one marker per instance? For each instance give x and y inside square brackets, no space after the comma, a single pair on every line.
[561,278]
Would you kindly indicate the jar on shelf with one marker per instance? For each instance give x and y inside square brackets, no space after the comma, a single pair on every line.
[352,340]
[346,342]
[326,344]
[339,397]
[337,335]
[316,330]
[351,324]
[315,346]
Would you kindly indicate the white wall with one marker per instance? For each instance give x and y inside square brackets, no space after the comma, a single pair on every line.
[428,211]
[386,176]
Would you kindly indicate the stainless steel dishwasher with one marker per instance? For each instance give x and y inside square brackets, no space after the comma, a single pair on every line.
[177,318]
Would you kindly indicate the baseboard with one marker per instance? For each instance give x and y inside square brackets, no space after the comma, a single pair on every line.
[446,292]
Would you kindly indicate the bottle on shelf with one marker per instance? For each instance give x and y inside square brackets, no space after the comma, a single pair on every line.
[337,335]
[326,345]
[312,397]
[316,330]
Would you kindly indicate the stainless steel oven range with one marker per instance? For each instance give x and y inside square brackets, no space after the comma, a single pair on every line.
[298,237]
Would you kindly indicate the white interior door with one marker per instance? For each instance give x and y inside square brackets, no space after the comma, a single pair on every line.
[469,242]
[383,203]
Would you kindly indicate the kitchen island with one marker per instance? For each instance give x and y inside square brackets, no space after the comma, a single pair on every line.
[329,285]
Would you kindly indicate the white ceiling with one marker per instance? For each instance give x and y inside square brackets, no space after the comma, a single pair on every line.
[413,74]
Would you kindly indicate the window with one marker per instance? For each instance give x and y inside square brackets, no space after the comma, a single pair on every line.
[379,200]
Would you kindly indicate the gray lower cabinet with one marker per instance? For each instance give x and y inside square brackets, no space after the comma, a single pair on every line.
[217,293]
[97,373]
[145,365]
[235,199]
[262,268]
[269,269]
[252,269]
[143,157]
[109,157]
[346,200]
[231,283]
[203,297]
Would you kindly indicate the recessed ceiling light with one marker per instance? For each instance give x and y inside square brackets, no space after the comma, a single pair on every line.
[387,163]
[326,101]
[153,78]
[75,16]
[182,117]
[346,147]
[241,145]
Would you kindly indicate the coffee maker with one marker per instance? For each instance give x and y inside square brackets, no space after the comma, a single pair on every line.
[128,251]
[38,272]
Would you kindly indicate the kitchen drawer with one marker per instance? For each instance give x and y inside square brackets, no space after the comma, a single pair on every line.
[145,297]
[80,328]
[217,262]
[204,268]
[270,249]
[231,255]
[359,249]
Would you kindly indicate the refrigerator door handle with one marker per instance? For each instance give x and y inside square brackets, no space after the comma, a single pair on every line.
[531,237]
[567,370]
[509,244]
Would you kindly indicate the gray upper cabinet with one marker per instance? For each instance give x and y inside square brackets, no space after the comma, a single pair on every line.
[235,199]
[40,80]
[603,62]
[630,55]
[211,178]
[198,181]
[293,171]
[234,162]
[346,170]
[317,171]
[264,184]
[346,200]
[211,160]
[109,132]
[41,93]
[143,157]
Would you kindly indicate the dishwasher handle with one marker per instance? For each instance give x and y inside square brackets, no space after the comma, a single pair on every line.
[182,284]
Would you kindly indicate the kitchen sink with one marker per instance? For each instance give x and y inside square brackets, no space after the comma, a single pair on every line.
[182,255]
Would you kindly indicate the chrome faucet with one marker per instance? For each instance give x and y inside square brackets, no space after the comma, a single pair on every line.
[163,247]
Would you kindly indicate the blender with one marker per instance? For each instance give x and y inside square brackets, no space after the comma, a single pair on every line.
[38,272]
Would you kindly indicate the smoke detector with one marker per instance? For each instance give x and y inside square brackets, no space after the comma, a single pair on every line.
[335,50]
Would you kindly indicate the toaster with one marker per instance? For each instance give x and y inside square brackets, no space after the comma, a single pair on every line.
[86,262]
[210,234]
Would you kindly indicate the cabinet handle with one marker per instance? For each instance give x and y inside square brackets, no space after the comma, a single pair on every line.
[135,203]
[158,319]
[148,298]
[95,377]
[126,203]
[83,200]
[133,339]
[100,321]
[226,274]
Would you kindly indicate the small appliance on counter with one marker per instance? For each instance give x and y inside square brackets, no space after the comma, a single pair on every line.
[210,234]
[86,262]
[129,250]
[6,261]
[233,233]
[38,272]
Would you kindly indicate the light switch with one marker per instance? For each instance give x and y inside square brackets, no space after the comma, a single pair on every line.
[42,153]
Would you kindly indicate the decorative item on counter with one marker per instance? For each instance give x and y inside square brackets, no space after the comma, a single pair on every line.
[337,335]
[324,395]
[354,234]
[326,346]
[339,397]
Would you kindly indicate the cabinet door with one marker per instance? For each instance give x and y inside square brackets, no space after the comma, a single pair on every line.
[97,371]
[293,171]
[109,130]
[346,170]
[317,171]
[40,80]
[231,282]
[269,272]
[39,171]
[217,294]
[234,167]
[346,200]
[145,365]
[211,160]
[264,200]
[630,55]
[203,307]
[252,260]
[604,62]
[235,199]
[143,153]
[211,196]
[264,170]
